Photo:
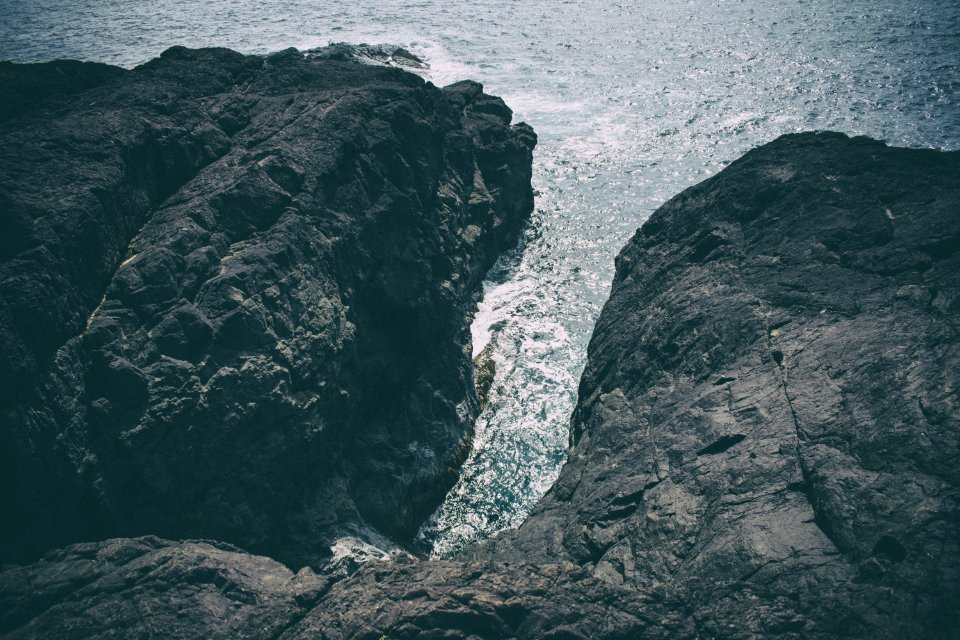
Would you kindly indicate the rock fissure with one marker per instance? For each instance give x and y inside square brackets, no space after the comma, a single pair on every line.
[781,373]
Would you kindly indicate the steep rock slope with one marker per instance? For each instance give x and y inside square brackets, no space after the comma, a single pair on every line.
[770,398]
[234,296]
[765,443]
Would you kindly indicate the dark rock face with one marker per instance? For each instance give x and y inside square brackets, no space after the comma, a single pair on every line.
[234,296]
[151,588]
[26,85]
[765,443]
[769,405]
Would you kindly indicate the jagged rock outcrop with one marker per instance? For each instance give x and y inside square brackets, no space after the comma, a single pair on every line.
[234,296]
[765,443]
[388,54]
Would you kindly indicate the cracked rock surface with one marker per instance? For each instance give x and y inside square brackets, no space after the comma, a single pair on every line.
[234,296]
[765,443]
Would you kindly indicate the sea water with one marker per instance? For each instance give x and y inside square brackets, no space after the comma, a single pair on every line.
[633,102]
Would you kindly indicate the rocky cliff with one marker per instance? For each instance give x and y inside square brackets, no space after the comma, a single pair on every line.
[768,419]
[234,296]
[765,445]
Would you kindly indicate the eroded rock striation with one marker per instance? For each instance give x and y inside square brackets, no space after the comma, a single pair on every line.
[234,296]
[765,445]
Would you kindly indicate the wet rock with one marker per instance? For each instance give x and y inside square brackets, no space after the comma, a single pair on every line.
[234,296]
[385,54]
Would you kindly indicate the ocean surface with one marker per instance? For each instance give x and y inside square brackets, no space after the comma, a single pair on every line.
[633,102]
